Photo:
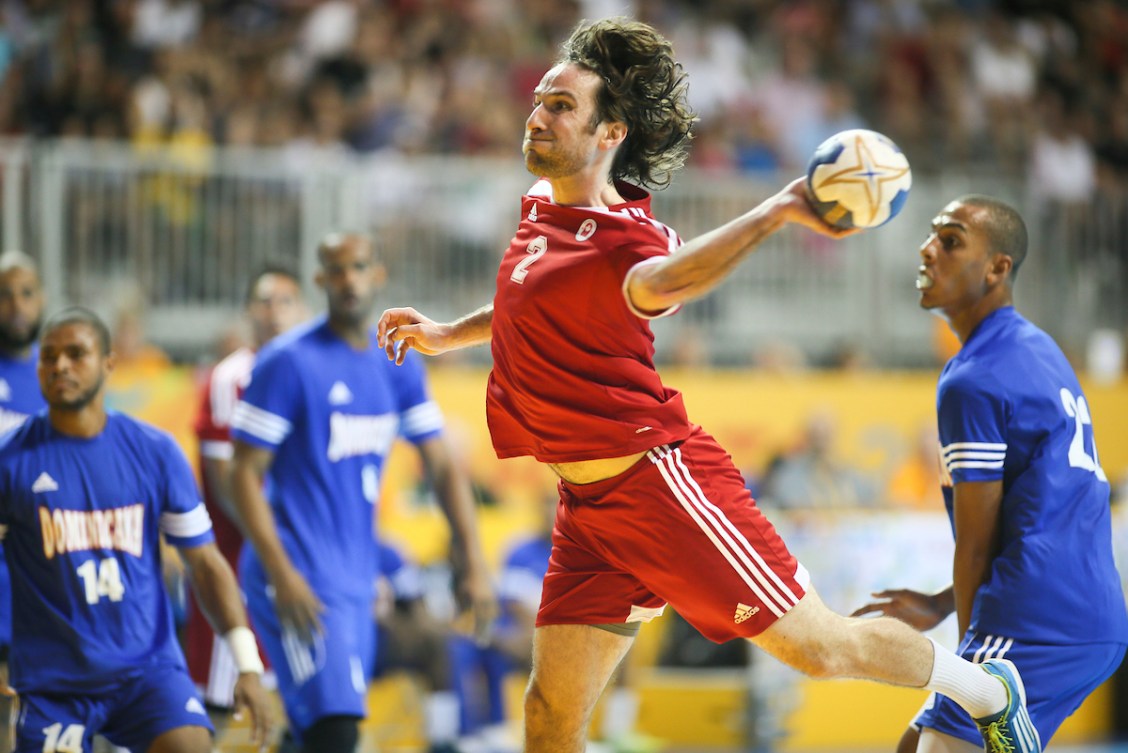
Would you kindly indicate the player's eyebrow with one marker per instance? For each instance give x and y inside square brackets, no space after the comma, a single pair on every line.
[945,221]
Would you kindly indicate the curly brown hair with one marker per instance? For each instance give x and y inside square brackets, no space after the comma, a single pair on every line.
[643,87]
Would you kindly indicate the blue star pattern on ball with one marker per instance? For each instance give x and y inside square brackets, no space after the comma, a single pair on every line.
[858,178]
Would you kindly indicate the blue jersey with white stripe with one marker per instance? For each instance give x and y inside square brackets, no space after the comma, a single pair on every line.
[84,519]
[330,415]
[20,398]
[1010,408]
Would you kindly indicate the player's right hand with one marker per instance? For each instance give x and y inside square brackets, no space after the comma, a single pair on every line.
[921,611]
[251,697]
[297,605]
[402,328]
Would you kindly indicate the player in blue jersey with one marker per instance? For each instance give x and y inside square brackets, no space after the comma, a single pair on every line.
[85,494]
[316,423]
[1033,575]
[21,314]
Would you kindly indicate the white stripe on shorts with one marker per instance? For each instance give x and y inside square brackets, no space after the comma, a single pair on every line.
[730,542]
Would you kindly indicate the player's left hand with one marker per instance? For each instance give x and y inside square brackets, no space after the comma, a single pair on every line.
[921,611]
[251,697]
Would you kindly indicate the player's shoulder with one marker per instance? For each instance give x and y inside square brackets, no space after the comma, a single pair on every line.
[233,367]
[123,428]
[630,222]
[27,434]
[295,344]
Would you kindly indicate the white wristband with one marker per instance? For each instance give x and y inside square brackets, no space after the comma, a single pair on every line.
[244,650]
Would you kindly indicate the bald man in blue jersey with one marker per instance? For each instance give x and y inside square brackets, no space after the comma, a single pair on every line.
[86,494]
[312,432]
[1033,579]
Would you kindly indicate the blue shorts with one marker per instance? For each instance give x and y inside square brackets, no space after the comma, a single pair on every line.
[325,677]
[131,714]
[1057,679]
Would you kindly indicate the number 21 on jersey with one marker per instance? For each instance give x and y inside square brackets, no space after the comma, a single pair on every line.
[1077,409]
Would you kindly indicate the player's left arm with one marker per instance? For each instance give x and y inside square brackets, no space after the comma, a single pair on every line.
[452,489]
[217,593]
[702,263]
[978,522]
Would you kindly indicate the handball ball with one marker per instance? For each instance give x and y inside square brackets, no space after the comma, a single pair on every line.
[858,178]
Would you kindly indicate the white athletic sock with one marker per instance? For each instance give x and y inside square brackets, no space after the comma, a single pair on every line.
[979,693]
[442,712]
[620,712]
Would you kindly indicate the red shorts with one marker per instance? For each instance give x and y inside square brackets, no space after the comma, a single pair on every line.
[678,527]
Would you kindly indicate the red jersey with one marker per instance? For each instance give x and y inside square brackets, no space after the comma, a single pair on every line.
[209,660]
[573,376]
[213,428]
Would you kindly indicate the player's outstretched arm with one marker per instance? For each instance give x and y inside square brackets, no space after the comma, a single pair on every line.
[473,588]
[217,593]
[402,328]
[294,600]
[921,611]
[702,263]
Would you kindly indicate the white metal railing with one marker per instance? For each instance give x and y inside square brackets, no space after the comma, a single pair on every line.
[188,227]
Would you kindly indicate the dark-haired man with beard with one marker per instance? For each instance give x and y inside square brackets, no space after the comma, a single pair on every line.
[21,313]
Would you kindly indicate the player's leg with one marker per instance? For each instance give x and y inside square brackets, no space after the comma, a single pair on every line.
[159,711]
[54,723]
[571,666]
[932,741]
[182,740]
[909,740]
[823,644]
[326,677]
[8,704]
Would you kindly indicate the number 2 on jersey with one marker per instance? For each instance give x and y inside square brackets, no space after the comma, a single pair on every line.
[1077,409]
[101,579]
[535,250]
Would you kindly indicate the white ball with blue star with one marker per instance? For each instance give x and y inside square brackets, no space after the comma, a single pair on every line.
[858,178]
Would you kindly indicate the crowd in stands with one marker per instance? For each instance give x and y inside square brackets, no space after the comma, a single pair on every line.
[1021,85]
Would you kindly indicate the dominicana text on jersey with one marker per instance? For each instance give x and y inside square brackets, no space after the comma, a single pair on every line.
[84,520]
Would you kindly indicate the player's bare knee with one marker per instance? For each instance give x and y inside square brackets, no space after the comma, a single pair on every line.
[187,739]
[542,707]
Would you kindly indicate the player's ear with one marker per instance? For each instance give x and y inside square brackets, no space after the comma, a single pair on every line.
[319,279]
[110,361]
[615,134]
[999,268]
[379,275]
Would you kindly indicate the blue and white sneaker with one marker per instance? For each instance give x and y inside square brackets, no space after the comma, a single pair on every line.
[1010,730]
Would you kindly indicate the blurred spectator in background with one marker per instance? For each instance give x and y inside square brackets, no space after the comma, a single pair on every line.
[810,477]
[915,482]
[409,637]
[945,81]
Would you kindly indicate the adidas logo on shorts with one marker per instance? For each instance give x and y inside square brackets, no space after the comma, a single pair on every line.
[744,612]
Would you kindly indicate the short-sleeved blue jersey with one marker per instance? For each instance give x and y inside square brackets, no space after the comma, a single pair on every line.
[330,415]
[20,398]
[84,519]
[1010,408]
